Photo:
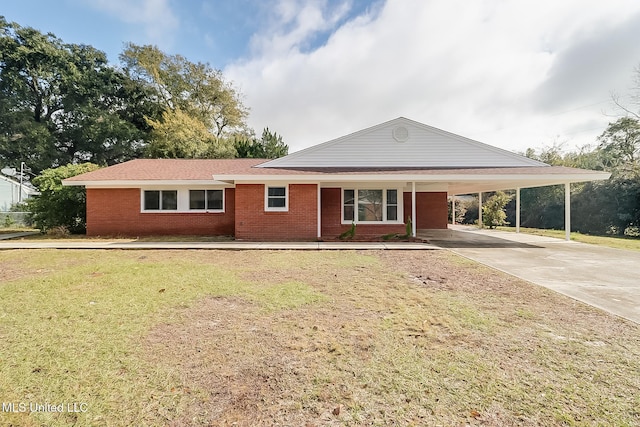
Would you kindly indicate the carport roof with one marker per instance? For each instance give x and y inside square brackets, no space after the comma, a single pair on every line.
[457,180]
[230,171]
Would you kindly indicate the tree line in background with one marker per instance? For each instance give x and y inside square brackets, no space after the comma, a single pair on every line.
[65,110]
[600,207]
[65,103]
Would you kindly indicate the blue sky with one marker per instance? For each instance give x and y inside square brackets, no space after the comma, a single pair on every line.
[217,31]
[513,74]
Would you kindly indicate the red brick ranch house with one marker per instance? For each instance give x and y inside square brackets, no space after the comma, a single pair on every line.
[378,178]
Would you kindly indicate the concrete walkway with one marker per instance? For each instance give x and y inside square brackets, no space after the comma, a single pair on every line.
[603,277]
[231,245]
[9,236]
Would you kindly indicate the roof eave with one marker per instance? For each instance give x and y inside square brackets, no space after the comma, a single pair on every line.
[142,183]
[521,180]
[556,178]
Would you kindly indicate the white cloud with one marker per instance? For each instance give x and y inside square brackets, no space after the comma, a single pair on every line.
[155,16]
[292,24]
[512,74]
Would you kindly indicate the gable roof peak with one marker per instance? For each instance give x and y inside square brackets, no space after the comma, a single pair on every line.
[402,142]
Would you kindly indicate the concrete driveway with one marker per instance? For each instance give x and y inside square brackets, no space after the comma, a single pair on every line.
[602,277]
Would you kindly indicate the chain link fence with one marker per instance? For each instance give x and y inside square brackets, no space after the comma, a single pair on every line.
[14,219]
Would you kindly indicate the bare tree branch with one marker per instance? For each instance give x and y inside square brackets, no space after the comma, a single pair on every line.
[616,100]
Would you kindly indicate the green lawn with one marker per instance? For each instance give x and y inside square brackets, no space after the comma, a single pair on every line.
[629,243]
[303,338]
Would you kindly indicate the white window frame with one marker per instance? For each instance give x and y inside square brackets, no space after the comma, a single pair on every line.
[206,209]
[183,200]
[400,205]
[399,201]
[286,198]
[160,207]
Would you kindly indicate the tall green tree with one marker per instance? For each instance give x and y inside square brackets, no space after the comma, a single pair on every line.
[603,207]
[273,145]
[270,146]
[493,214]
[620,143]
[62,103]
[187,91]
[609,207]
[614,205]
[57,205]
[179,135]
[543,207]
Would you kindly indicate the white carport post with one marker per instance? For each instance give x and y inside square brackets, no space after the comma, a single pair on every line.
[479,210]
[319,215]
[413,209]
[567,211]
[518,210]
[453,210]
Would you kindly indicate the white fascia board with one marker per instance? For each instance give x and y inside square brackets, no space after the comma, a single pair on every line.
[533,178]
[469,187]
[146,183]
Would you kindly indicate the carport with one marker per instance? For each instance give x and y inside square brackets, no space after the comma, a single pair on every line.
[501,179]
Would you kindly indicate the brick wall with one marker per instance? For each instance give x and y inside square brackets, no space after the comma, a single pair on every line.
[431,209]
[431,212]
[298,223]
[116,212]
[332,216]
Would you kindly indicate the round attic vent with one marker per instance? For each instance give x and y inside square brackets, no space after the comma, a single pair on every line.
[400,134]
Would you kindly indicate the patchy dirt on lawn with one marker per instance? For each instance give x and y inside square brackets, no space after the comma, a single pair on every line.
[257,368]
[13,265]
[402,338]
